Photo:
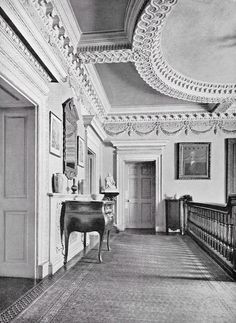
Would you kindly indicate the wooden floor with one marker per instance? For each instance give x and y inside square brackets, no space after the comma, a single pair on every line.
[145,278]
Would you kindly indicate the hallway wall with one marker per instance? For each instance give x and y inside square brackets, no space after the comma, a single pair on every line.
[202,190]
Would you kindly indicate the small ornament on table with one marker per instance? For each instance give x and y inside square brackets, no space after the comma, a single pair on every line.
[110,189]
[74,187]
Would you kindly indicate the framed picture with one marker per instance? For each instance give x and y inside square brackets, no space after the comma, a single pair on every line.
[55,142]
[193,160]
[80,151]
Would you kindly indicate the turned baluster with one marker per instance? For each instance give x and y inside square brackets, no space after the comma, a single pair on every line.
[232,208]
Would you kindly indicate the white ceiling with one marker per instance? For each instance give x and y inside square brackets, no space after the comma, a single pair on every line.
[198,40]
[100,15]
[126,90]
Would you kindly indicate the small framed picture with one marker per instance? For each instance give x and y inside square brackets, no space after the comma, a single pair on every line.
[55,142]
[80,151]
[193,160]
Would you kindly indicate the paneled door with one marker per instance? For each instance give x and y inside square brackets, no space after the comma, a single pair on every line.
[17,192]
[140,195]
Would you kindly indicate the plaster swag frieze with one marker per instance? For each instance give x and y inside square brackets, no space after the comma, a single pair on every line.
[170,124]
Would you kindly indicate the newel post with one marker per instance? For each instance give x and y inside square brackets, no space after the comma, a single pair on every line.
[184,212]
[232,209]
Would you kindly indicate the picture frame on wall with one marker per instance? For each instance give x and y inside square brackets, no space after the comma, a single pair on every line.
[193,160]
[55,129]
[80,151]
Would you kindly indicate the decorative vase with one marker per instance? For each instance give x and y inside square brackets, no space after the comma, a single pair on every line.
[74,187]
[58,181]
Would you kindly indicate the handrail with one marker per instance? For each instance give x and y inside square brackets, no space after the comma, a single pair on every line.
[214,227]
[212,206]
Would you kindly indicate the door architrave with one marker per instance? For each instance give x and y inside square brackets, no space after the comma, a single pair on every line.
[138,151]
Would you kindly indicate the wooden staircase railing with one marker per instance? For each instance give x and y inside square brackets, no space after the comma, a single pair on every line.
[214,228]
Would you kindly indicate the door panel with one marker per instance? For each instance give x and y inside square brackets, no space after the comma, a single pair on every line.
[15,142]
[15,237]
[146,188]
[141,195]
[17,192]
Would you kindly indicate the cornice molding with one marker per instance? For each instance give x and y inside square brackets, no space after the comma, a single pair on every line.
[61,41]
[99,87]
[32,28]
[133,12]
[64,11]
[89,120]
[104,40]
[139,144]
[155,70]
[170,124]
[8,32]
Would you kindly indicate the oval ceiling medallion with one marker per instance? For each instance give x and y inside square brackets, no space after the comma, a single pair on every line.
[183,53]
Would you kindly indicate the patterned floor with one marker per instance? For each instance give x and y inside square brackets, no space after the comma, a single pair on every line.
[145,278]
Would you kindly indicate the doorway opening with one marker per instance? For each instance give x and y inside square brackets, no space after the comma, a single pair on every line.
[17,185]
[140,192]
[134,151]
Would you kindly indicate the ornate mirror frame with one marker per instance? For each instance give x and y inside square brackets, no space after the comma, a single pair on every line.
[70,118]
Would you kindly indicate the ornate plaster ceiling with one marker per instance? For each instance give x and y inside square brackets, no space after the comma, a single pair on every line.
[127,91]
[208,49]
[184,49]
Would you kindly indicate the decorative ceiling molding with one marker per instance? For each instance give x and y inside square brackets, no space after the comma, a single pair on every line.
[106,56]
[103,39]
[97,126]
[98,86]
[170,124]
[224,106]
[9,33]
[32,28]
[59,39]
[133,12]
[155,70]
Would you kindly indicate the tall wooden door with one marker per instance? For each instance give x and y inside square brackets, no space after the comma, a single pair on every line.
[17,192]
[141,195]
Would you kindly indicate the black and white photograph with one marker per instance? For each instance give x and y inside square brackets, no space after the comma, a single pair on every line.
[118,161]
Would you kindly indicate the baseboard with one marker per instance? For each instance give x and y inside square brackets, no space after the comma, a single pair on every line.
[160,229]
[43,270]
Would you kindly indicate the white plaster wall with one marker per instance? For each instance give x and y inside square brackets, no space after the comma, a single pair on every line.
[205,190]
[109,164]
[96,145]
[212,190]
[58,94]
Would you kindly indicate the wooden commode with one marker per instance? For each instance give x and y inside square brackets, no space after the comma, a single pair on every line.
[86,216]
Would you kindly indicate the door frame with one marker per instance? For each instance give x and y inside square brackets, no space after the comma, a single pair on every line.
[138,151]
[128,197]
